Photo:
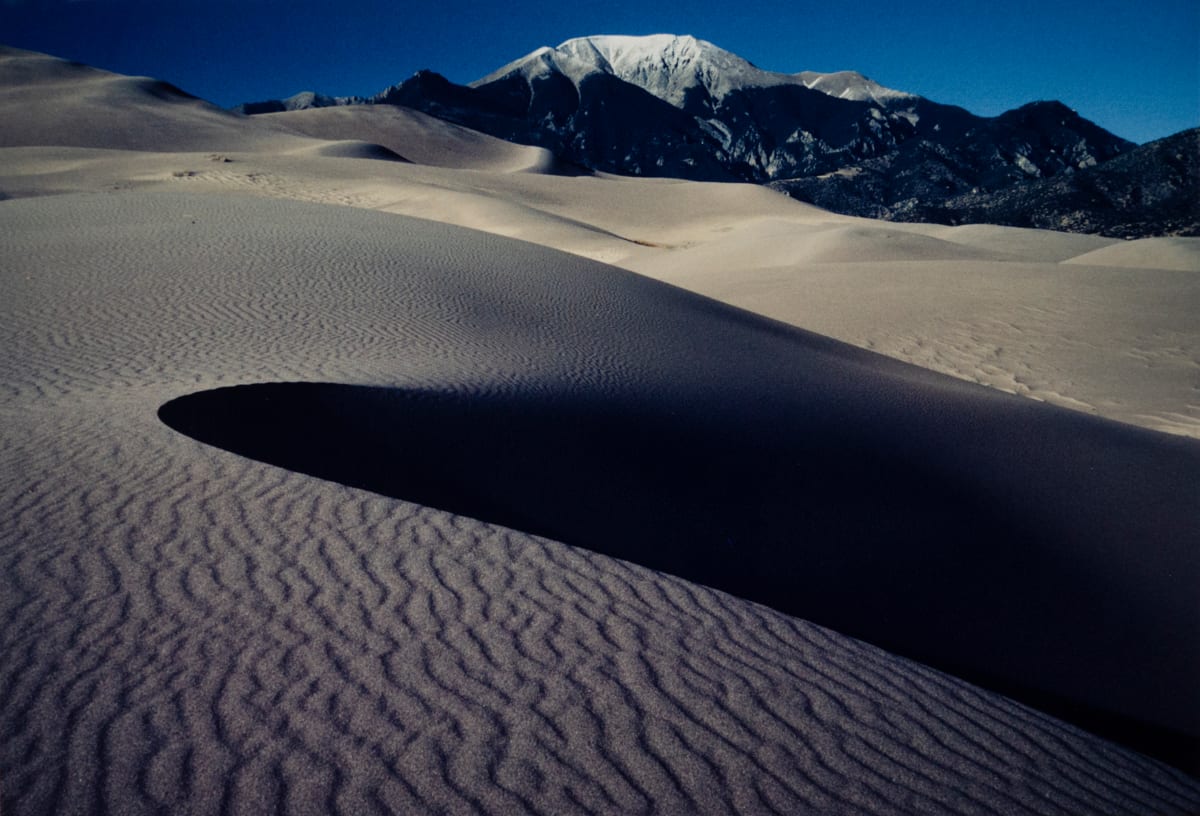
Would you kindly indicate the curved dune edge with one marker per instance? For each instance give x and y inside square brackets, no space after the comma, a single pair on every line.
[1093,324]
[185,630]
[1160,253]
[356,150]
[420,137]
[815,512]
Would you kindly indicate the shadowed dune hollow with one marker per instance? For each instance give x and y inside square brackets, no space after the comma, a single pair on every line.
[932,534]
[186,630]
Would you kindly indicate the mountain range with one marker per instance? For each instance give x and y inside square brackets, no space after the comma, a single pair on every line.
[677,106]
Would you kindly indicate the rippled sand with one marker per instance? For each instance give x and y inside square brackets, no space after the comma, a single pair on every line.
[190,628]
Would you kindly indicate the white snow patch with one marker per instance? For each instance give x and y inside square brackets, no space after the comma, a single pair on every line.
[672,67]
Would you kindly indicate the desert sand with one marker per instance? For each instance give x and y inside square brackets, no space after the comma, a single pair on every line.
[318,507]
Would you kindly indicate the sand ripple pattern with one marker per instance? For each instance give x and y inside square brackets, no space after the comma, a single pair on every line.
[187,631]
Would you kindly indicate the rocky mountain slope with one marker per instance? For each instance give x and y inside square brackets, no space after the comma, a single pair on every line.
[677,106]
[1156,185]
[681,107]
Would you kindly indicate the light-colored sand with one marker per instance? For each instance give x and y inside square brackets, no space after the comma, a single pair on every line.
[1027,244]
[988,304]
[48,101]
[1182,254]
[187,630]
[421,138]
[1117,342]
[185,627]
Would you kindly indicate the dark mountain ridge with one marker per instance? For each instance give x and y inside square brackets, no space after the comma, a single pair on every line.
[1157,184]
[683,108]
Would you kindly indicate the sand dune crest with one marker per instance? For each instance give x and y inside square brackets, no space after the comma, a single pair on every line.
[208,633]
[187,629]
[1182,254]
[415,135]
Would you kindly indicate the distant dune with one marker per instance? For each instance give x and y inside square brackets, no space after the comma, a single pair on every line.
[315,507]
[429,141]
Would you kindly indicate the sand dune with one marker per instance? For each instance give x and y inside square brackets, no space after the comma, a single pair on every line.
[328,593]
[1115,342]
[1182,254]
[418,137]
[49,101]
[1027,244]
[779,243]
[192,628]
[352,149]
[988,304]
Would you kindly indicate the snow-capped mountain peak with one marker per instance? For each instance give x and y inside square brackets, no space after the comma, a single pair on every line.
[850,85]
[675,68]
[681,107]
[667,66]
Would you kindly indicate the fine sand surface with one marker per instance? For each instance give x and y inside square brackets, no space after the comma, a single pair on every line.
[190,629]
[1102,326]
[422,138]
[257,455]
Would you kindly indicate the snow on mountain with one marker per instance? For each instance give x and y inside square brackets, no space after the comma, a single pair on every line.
[680,107]
[301,101]
[678,68]
[851,85]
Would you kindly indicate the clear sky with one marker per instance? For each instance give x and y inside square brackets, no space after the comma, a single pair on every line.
[1133,68]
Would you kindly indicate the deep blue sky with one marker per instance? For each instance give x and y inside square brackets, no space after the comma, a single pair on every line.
[1133,68]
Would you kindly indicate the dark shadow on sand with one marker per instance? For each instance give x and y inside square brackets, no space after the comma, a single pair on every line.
[1063,573]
